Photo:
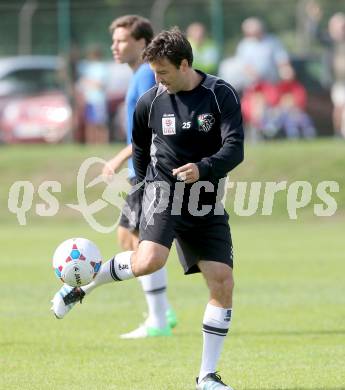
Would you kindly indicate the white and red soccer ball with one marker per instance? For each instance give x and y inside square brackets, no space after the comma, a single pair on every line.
[77,261]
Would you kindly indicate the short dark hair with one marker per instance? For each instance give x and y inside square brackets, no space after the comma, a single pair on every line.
[139,27]
[172,45]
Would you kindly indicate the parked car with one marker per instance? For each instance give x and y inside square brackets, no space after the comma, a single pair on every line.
[34,106]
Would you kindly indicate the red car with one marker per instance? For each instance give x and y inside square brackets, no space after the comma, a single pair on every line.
[34,106]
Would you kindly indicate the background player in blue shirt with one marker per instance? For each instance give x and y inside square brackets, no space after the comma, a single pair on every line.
[130,35]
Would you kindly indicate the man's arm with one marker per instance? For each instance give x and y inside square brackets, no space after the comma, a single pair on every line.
[141,140]
[231,153]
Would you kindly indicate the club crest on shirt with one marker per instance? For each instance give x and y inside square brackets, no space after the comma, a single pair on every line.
[205,122]
[168,124]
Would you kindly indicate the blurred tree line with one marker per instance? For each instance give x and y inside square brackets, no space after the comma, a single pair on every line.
[54,26]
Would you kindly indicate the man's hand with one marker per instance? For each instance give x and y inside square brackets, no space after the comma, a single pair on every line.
[188,173]
[111,167]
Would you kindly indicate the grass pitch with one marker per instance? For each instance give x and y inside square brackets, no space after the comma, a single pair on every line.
[288,329]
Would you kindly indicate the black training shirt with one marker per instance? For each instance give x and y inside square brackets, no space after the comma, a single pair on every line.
[202,126]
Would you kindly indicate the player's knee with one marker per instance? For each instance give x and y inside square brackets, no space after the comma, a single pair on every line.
[225,284]
[151,263]
[147,263]
[125,239]
[222,287]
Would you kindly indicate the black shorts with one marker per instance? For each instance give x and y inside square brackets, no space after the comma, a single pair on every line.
[130,213]
[197,237]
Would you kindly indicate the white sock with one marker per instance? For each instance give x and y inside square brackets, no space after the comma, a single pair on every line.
[117,269]
[216,323]
[154,286]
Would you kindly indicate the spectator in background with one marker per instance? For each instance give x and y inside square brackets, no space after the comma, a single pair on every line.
[205,51]
[259,57]
[91,86]
[73,59]
[334,41]
[277,110]
[289,114]
[257,103]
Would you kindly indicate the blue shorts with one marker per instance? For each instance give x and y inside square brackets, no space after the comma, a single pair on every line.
[96,114]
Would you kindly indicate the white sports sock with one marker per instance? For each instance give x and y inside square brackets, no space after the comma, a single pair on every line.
[216,323]
[154,286]
[117,269]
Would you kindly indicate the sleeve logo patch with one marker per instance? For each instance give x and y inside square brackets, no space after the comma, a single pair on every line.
[205,122]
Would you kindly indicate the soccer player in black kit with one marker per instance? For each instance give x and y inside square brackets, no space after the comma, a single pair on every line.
[187,135]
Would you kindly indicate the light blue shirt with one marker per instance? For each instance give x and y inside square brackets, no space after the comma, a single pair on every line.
[143,79]
[265,55]
[95,71]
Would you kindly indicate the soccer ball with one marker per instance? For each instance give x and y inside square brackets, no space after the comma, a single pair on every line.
[77,261]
